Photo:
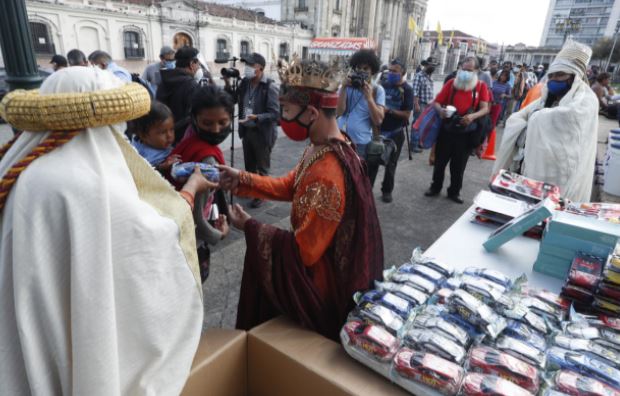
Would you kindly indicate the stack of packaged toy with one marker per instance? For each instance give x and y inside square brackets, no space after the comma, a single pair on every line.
[609,212]
[524,188]
[477,332]
[593,283]
[568,234]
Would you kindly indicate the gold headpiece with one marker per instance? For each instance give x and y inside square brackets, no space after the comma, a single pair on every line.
[31,111]
[310,74]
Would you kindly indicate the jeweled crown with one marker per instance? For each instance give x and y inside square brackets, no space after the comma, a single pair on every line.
[310,74]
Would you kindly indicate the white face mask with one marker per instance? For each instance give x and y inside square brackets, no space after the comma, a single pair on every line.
[199,74]
[249,72]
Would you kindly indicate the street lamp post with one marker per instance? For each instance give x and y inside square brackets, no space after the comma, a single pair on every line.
[613,47]
[17,49]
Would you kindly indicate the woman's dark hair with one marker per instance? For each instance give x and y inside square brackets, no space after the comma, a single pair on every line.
[505,73]
[366,57]
[208,97]
[602,77]
[159,113]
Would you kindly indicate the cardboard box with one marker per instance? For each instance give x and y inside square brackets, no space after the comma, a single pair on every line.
[284,359]
[220,365]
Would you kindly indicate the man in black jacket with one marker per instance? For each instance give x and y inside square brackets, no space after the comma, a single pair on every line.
[178,86]
[259,110]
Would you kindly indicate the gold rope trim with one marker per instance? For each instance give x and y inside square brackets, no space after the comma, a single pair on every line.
[32,111]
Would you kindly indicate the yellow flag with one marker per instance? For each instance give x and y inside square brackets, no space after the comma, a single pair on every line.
[412,24]
[420,32]
[439,34]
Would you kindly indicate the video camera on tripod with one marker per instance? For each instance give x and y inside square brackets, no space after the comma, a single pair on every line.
[229,72]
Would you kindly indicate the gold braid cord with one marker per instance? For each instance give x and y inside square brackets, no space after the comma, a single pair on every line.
[54,140]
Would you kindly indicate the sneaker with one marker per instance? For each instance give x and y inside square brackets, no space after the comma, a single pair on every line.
[456,198]
[431,193]
[386,197]
[256,203]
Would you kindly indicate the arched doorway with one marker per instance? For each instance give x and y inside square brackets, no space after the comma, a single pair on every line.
[182,40]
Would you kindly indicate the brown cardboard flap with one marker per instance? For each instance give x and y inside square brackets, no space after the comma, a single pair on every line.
[220,365]
[285,359]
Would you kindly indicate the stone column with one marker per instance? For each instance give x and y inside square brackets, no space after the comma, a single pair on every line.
[17,48]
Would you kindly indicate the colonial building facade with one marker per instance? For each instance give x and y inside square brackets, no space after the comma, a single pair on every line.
[133,31]
[385,22]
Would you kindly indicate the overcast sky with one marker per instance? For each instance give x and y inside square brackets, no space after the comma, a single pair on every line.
[495,21]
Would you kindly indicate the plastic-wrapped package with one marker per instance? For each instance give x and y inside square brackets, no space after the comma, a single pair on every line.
[553,392]
[553,299]
[181,171]
[443,295]
[527,316]
[525,333]
[442,327]
[490,274]
[370,345]
[487,360]
[377,314]
[581,345]
[424,271]
[418,258]
[414,296]
[542,308]
[605,305]
[585,271]
[521,350]
[557,359]
[576,384]
[611,276]
[581,330]
[433,342]
[391,301]
[476,312]
[609,290]
[428,369]
[611,336]
[598,368]
[487,292]
[577,293]
[476,384]
[417,281]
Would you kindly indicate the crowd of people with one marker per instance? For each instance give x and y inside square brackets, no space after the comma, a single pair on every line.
[109,298]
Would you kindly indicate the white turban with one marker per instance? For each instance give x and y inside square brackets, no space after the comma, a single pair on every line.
[573,59]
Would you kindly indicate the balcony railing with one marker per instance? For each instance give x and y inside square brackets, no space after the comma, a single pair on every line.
[134,53]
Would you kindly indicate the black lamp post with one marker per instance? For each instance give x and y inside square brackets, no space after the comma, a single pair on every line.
[17,49]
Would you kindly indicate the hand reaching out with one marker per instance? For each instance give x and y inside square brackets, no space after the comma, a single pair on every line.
[238,216]
[229,177]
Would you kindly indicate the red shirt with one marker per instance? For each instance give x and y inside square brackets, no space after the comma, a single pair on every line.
[462,99]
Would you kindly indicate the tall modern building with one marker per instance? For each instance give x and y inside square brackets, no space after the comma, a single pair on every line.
[584,20]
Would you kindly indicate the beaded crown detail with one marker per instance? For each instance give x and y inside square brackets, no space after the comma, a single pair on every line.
[310,74]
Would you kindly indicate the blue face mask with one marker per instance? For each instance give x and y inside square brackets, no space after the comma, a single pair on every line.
[464,76]
[393,78]
[169,64]
[558,88]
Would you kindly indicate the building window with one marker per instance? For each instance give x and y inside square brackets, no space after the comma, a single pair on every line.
[283,52]
[244,48]
[301,5]
[182,40]
[221,49]
[41,38]
[304,53]
[133,45]
[337,5]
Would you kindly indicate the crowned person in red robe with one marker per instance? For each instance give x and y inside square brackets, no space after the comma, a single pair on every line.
[335,247]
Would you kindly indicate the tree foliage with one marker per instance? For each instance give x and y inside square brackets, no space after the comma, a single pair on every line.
[602,48]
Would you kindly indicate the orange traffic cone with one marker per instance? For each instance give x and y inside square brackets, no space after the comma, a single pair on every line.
[489,153]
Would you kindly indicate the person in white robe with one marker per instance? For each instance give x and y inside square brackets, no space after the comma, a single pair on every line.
[99,286]
[554,139]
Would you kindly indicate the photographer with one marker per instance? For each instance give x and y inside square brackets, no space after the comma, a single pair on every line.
[361,104]
[259,110]
[399,104]
[461,104]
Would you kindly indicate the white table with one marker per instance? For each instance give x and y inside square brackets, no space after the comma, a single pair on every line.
[460,247]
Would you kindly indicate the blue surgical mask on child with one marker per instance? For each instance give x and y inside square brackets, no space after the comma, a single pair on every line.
[558,88]
[393,78]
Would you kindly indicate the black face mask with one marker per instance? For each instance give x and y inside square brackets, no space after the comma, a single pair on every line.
[430,70]
[213,139]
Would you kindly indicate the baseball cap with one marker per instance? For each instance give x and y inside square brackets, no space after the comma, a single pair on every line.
[59,60]
[432,61]
[166,50]
[253,59]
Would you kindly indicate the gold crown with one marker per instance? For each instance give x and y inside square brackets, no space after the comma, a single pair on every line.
[310,74]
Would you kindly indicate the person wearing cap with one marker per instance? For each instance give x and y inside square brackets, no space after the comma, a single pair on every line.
[103,60]
[259,110]
[399,104]
[100,289]
[540,72]
[58,62]
[178,86]
[152,74]
[334,247]
[422,95]
[554,138]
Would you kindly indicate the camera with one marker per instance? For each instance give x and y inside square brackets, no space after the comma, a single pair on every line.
[358,78]
[230,72]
